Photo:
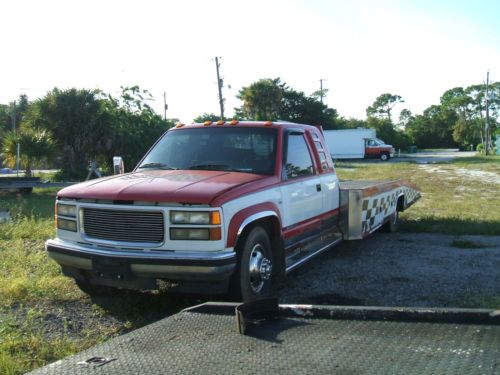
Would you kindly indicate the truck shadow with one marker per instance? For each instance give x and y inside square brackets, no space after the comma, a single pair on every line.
[142,308]
[453,226]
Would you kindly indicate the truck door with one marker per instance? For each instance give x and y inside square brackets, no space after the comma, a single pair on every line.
[328,179]
[372,149]
[301,186]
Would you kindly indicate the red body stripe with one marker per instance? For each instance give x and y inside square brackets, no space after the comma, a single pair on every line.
[307,225]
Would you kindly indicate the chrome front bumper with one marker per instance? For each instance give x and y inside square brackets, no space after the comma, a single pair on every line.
[189,266]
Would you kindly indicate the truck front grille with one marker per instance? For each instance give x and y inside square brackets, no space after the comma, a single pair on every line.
[124,225]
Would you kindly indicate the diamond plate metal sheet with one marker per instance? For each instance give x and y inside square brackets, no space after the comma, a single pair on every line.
[199,343]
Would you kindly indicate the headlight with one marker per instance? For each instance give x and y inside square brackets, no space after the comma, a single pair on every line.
[66,210]
[195,217]
[66,224]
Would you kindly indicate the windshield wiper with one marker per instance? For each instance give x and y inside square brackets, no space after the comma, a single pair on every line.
[155,166]
[214,167]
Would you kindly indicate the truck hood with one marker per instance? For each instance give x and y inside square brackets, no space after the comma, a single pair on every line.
[177,186]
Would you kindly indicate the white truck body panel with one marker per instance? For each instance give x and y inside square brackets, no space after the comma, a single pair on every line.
[348,143]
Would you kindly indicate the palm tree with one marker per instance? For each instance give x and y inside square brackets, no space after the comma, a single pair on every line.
[36,147]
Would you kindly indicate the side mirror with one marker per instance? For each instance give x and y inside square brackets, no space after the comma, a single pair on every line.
[118,167]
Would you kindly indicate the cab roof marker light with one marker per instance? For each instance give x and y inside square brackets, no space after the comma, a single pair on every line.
[220,122]
[207,123]
[268,123]
[233,122]
[179,125]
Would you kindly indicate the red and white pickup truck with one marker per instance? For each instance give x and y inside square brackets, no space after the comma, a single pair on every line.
[215,206]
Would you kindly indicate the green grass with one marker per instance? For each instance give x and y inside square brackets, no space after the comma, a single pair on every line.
[482,300]
[457,198]
[31,286]
[26,345]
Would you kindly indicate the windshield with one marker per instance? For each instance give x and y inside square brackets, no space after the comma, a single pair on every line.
[250,150]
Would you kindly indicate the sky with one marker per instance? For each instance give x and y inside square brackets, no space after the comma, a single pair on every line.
[361,49]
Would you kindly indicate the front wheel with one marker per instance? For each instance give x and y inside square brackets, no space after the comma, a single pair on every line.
[254,274]
[384,157]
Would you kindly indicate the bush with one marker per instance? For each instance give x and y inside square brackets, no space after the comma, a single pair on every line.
[480,148]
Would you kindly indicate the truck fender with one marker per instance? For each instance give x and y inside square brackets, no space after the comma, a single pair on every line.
[269,215]
[249,215]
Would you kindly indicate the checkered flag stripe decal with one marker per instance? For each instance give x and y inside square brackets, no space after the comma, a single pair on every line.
[378,207]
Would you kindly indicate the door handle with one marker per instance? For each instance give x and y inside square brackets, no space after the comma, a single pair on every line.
[318,187]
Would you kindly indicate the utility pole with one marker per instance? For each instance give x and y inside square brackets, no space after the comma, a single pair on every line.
[321,90]
[165,106]
[321,94]
[14,130]
[487,125]
[220,83]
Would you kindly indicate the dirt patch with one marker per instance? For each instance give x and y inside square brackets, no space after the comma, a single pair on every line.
[484,176]
[403,269]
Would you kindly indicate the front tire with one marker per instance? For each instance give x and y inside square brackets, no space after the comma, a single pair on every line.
[384,157]
[253,278]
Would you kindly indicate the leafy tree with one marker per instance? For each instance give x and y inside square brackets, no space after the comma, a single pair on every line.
[383,105]
[433,128]
[297,107]
[35,148]
[351,123]
[134,126]
[386,131]
[77,121]
[469,105]
[405,116]
[5,121]
[271,99]
[208,117]
[6,112]
[261,100]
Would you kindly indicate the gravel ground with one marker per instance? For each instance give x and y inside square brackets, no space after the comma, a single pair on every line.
[400,269]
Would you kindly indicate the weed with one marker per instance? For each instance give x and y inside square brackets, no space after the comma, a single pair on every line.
[483,300]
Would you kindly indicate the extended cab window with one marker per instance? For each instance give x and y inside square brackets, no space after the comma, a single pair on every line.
[298,159]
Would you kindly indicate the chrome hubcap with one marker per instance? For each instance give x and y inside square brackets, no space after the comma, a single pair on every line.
[260,268]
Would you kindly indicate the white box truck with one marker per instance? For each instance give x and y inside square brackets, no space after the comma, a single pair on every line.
[357,144]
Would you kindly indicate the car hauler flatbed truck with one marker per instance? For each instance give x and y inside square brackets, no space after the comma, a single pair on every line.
[218,206]
[299,339]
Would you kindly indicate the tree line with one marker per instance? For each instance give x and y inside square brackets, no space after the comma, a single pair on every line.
[457,121]
[69,128]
